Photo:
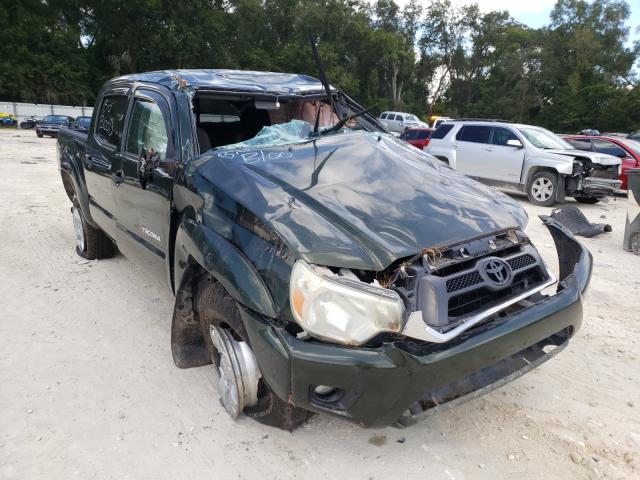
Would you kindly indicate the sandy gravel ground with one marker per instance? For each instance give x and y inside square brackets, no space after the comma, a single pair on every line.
[88,388]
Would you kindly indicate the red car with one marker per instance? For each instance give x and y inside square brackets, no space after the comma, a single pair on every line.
[624,148]
[418,137]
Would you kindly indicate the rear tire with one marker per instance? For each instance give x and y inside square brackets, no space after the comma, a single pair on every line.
[216,308]
[39,135]
[542,188]
[91,242]
[587,200]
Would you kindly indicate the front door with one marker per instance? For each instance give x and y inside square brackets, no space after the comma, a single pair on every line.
[144,207]
[504,162]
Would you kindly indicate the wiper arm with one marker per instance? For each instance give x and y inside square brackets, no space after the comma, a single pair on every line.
[342,123]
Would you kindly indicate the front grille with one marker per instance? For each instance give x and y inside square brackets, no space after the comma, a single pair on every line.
[481,298]
[463,281]
[521,262]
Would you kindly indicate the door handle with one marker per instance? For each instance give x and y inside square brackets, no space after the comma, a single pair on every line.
[118,177]
[88,160]
[456,145]
[489,149]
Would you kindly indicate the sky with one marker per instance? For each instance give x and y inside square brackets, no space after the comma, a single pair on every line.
[535,13]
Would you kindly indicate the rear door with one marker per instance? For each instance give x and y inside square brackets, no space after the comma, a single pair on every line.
[504,162]
[471,144]
[101,159]
[144,205]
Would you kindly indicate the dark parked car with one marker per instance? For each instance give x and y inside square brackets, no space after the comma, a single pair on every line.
[624,148]
[634,136]
[81,123]
[418,137]
[322,266]
[51,125]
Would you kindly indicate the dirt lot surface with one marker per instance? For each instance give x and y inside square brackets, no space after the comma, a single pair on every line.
[88,388]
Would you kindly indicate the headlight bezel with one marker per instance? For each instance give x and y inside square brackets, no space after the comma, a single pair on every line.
[318,298]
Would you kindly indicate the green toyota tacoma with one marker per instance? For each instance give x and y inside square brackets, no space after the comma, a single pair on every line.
[321,264]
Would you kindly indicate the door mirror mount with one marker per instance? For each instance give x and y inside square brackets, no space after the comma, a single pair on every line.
[515,143]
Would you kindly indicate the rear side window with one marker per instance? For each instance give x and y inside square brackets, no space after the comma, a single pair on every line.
[111,119]
[580,144]
[474,133]
[410,135]
[608,148]
[442,131]
[383,116]
[423,134]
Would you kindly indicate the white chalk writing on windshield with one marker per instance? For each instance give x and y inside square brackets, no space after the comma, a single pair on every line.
[254,156]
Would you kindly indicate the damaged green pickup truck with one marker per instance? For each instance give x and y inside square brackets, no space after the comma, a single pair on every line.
[321,264]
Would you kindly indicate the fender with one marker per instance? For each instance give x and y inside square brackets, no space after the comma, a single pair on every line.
[224,262]
[71,166]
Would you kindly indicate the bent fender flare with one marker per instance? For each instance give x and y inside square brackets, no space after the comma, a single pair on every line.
[225,263]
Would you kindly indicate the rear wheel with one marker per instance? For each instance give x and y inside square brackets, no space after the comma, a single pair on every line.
[588,200]
[240,385]
[542,188]
[39,135]
[91,242]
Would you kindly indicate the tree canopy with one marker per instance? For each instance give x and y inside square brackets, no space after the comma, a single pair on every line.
[433,57]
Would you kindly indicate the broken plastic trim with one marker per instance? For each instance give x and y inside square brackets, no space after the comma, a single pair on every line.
[574,259]
[416,328]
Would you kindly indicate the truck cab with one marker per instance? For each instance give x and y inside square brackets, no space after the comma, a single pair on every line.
[321,264]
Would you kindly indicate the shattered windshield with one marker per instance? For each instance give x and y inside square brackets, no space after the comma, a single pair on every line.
[542,138]
[295,131]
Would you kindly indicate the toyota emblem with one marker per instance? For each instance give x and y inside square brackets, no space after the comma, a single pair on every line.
[497,271]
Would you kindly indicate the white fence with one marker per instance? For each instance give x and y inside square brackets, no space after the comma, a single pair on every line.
[23,110]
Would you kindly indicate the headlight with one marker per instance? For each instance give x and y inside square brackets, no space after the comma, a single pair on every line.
[340,309]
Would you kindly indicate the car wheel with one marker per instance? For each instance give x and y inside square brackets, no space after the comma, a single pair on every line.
[587,200]
[91,243]
[39,135]
[543,188]
[240,385]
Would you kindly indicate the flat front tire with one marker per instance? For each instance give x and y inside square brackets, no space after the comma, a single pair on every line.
[91,242]
[239,382]
[542,189]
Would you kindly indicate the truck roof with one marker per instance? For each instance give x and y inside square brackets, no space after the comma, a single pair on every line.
[232,80]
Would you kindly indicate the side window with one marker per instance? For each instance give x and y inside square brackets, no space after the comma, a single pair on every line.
[409,135]
[110,120]
[383,116]
[442,131]
[580,144]
[423,134]
[393,117]
[474,133]
[147,129]
[608,148]
[502,135]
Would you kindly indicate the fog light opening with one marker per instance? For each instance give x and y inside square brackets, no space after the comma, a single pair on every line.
[324,390]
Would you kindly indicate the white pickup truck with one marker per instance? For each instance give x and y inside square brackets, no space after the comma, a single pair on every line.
[526,158]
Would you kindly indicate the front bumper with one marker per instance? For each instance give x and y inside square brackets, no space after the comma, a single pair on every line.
[48,130]
[599,187]
[400,381]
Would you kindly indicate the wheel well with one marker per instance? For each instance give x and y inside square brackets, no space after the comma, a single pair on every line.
[534,170]
[67,183]
[442,159]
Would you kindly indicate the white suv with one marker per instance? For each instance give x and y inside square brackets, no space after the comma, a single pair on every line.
[527,158]
[398,122]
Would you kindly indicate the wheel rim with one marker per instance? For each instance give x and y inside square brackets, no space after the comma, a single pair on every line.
[78,226]
[542,189]
[238,372]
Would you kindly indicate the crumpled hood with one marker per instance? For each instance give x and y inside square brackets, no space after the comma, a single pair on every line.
[357,200]
[599,158]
